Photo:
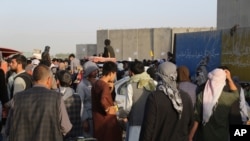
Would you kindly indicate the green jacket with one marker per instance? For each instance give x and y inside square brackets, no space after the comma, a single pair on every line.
[217,128]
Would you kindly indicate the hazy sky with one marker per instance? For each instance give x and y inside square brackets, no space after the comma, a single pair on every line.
[61,24]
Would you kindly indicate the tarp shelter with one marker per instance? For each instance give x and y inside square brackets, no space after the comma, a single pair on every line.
[7,52]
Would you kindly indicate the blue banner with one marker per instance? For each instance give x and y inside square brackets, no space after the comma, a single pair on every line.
[198,51]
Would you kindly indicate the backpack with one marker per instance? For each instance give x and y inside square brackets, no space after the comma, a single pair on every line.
[27,79]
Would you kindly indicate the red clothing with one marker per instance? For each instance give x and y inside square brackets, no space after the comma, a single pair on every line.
[106,127]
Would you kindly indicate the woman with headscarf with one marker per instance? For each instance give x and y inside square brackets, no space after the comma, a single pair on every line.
[213,106]
[185,84]
[168,115]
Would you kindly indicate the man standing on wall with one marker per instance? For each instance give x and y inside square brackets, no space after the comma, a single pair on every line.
[108,50]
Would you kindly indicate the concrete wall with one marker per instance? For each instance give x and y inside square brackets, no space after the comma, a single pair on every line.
[145,43]
[101,36]
[162,42]
[233,12]
[236,53]
[116,38]
[138,43]
[129,44]
[84,50]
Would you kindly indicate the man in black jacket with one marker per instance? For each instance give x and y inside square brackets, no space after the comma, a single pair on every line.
[168,114]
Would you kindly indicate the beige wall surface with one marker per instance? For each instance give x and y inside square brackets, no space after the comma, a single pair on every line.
[233,12]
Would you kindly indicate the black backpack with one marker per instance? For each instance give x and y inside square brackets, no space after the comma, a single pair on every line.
[27,79]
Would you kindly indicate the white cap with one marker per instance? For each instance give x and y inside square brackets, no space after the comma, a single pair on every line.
[129,59]
[37,55]
[35,62]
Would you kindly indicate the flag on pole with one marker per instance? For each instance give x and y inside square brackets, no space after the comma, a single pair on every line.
[151,53]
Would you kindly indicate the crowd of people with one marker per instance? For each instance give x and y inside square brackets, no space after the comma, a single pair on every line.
[57,100]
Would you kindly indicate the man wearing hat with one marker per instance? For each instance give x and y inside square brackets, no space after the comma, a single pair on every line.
[84,90]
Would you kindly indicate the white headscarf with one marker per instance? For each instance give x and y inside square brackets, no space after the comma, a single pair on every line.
[213,88]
